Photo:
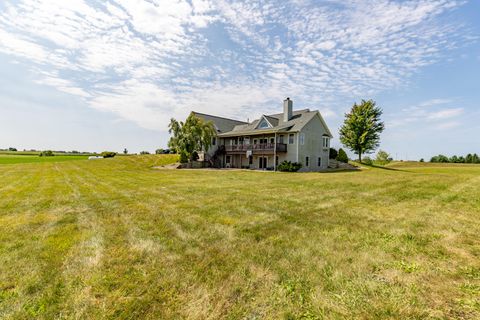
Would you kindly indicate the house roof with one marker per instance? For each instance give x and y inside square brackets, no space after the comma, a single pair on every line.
[229,127]
[299,119]
[221,124]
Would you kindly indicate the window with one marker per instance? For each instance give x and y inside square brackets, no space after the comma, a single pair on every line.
[307,160]
[326,142]
[319,162]
[302,138]
[214,141]
[291,138]
[281,139]
[263,124]
[276,161]
[272,140]
[227,160]
[254,141]
[250,160]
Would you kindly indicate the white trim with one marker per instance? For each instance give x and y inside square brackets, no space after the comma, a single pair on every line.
[298,143]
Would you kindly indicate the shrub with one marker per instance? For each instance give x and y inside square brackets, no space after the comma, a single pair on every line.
[383,158]
[194,156]
[183,157]
[368,161]
[288,166]
[46,153]
[12,149]
[440,158]
[144,152]
[342,156]
[159,151]
[333,153]
[422,160]
[108,154]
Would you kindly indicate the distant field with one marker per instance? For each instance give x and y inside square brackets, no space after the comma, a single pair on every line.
[13,159]
[116,239]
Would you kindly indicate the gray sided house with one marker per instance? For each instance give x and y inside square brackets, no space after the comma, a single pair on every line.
[298,136]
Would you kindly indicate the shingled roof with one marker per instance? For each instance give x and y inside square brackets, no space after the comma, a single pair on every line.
[230,127]
[221,124]
[299,119]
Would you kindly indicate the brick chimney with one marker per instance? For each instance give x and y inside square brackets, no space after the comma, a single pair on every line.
[287,109]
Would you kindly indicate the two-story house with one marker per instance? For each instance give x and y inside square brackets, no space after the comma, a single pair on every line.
[297,136]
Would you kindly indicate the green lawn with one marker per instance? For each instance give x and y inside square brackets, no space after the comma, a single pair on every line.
[116,239]
[14,159]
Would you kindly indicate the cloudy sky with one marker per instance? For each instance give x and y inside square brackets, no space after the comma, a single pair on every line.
[108,74]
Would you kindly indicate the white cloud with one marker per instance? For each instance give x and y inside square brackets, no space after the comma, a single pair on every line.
[448,125]
[149,60]
[445,114]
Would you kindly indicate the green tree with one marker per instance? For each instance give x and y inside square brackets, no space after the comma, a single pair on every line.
[382,157]
[159,151]
[475,158]
[362,128]
[333,153]
[342,156]
[108,154]
[125,151]
[440,159]
[46,153]
[192,135]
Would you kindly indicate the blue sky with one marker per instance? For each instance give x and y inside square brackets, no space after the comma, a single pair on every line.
[105,75]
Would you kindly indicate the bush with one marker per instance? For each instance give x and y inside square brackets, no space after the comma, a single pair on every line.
[159,151]
[183,157]
[440,159]
[12,149]
[288,166]
[46,153]
[194,156]
[108,154]
[368,161]
[144,152]
[383,158]
[333,153]
[342,156]
[422,160]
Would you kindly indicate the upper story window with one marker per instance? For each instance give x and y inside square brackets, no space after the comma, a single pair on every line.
[326,142]
[214,141]
[263,124]
[291,138]
[302,138]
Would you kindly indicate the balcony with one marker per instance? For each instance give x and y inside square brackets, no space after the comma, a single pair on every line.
[260,148]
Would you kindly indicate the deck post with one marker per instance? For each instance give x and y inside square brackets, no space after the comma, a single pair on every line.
[275,153]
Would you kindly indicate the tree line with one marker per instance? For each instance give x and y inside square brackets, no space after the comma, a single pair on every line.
[469,158]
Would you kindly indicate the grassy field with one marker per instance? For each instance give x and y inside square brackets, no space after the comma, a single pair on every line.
[14,159]
[116,239]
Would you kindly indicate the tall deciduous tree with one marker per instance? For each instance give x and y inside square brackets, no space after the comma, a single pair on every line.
[190,136]
[362,128]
